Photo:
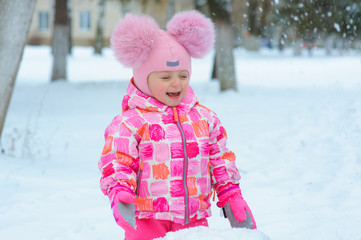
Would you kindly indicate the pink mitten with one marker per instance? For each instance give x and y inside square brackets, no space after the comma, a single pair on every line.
[231,194]
[122,203]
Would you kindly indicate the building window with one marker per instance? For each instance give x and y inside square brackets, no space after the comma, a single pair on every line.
[85,21]
[43,21]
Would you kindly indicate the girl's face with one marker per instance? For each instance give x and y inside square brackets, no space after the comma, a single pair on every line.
[169,87]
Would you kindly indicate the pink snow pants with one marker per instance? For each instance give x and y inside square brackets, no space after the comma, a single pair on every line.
[152,228]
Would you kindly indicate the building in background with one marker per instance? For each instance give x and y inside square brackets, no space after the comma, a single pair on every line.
[84,16]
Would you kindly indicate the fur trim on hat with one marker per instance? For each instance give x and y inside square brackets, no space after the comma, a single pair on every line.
[194,31]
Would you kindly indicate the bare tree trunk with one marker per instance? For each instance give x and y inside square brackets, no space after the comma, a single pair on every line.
[70,28]
[252,17]
[60,40]
[224,56]
[15,19]
[201,6]
[133,6]
[214,70]
[99,40]
[224,60]
[126,6]
[171,9]
[329,41]
[251,41]
[266,8]
[297,47]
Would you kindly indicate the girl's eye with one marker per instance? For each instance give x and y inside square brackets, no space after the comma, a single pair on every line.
[165,77]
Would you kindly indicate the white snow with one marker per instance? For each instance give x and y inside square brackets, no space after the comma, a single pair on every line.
[294,124]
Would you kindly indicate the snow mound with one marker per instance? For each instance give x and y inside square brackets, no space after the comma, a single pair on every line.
[205,233]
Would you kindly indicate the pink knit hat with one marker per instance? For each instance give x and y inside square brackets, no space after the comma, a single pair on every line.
[138,42]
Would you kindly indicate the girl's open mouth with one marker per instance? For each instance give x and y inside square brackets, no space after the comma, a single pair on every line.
[173,94]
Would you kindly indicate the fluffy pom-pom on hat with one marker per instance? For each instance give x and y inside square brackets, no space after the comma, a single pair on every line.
[133,39]
[194,31]
[138,42]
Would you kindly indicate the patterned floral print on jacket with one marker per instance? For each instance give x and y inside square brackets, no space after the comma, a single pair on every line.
[171,157]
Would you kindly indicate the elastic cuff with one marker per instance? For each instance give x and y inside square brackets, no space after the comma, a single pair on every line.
[227,190]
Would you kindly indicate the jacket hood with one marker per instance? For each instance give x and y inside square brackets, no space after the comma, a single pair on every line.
[134,98]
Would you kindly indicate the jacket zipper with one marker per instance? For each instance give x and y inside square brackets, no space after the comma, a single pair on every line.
[185,166]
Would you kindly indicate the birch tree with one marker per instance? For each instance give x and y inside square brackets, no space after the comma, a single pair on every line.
[221,11]
[60,40]
[15,19]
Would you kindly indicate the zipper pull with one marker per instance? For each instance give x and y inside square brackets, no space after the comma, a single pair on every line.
[175,114]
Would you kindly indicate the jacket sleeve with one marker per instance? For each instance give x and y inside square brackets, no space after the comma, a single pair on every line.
[222,161]
[119,162]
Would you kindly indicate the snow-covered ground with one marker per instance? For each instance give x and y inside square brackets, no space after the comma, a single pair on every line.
[294,124]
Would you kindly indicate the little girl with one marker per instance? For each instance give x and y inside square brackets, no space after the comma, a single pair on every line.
[165,153]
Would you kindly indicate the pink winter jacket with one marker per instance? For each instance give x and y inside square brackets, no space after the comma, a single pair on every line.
[170,157]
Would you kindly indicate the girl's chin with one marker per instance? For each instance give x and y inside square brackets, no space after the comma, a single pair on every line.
[172,102]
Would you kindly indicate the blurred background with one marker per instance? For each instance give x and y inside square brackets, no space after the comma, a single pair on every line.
[327,24]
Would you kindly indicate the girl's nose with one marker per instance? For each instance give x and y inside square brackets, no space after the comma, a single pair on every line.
[175,82]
